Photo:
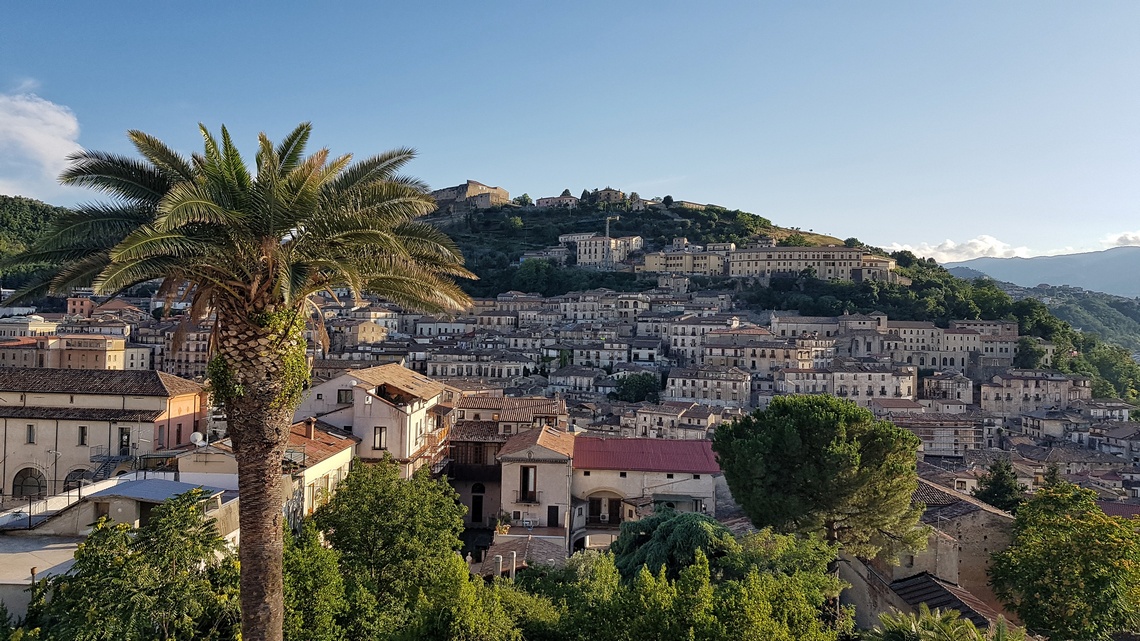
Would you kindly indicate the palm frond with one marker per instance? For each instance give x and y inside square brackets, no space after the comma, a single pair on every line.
[119,276]
[161,156]
[193,203]
[378,168]
[117,176]
[292,147]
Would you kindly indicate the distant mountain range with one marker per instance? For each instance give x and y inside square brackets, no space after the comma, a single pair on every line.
[1113,271]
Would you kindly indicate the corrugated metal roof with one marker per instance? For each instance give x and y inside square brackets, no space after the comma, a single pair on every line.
[154,490]
[645,455]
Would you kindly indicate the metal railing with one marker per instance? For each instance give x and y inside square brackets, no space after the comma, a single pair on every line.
[528,496]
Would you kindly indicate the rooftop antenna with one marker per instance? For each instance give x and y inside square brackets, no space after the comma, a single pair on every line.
[198,439]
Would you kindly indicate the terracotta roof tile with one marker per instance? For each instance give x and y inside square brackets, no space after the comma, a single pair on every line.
[645,455]
[552,439]
[95,381]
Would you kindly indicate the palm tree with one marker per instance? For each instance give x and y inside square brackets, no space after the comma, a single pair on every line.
[939,625]
[251,249]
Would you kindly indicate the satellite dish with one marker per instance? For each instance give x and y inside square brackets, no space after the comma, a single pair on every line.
[197,439]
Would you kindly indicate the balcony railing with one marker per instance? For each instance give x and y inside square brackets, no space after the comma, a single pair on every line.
[602,520]
[528,496]
[469,472]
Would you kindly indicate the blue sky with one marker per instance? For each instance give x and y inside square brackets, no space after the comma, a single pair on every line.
[958,129]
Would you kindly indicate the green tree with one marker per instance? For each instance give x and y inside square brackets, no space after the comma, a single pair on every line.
[818,464]
[852,242]
[314,589]
[1070,572]
[999,487]
[1029,354]
[669,541]
[639,387]
[794,240]
[459,608]
[395,536]
[523,200]
[939,625]
[255,246]
[667,201]
[171,579]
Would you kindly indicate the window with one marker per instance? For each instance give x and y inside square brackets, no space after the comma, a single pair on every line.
[696,476]
[178,434]
[528,492]
[379,438]
[586,473]
[82,435]
[31,435]
[320,396]
[621,474]
[668,476]
[344,396]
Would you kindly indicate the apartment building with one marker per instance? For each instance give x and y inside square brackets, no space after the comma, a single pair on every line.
[859,382]
[708,385]
[601,252]
[1021,391]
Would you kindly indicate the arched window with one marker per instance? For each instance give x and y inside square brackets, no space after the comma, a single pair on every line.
[29,482]
[478,488]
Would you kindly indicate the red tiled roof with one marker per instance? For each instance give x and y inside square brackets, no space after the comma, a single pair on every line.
[1112,508]
[645,455]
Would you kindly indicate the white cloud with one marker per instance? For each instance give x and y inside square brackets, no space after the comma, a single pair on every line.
[949,251]
[36,136]
[1124,238]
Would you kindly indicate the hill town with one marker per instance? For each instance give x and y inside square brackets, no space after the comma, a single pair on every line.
[560,421]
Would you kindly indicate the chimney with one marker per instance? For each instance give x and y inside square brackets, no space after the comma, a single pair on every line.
[311,428]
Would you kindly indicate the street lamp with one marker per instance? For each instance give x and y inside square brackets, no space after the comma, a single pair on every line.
[55,471]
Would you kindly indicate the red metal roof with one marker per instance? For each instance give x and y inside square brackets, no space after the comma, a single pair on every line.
[645,455]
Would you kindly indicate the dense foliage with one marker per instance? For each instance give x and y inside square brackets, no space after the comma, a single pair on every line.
[171,579]
[820,465]
[939,625]
[22,222]
[1071,572]
[592,602]
[636,388]
[999,487]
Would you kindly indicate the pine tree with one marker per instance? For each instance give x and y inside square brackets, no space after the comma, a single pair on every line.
[999,487]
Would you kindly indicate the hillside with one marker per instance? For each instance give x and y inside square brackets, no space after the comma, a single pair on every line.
[493,241]
[22,220]
[1113,318]
[1112,271]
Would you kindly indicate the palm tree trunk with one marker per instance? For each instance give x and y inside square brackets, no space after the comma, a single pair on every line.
[252,376]
[261,521]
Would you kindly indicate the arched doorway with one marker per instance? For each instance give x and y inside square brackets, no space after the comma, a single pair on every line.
[75,478]
[477,492]
[604,509]
[29,482]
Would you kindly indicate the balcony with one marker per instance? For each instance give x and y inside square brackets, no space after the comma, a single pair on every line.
[470,472]
[528,496]
[603,521]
